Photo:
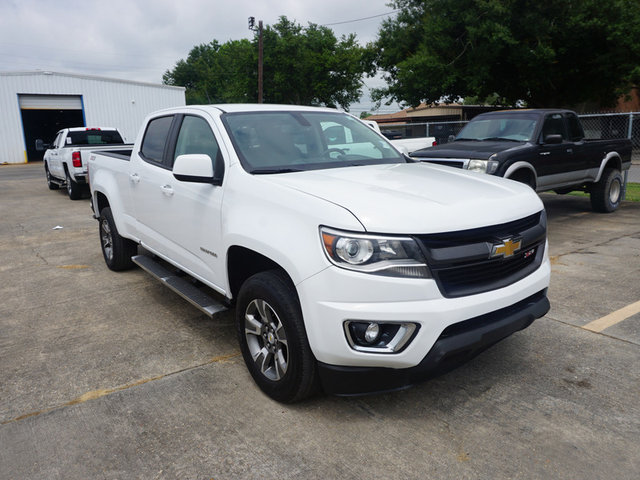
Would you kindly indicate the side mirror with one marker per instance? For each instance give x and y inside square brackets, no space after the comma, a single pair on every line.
[554,139]
[196,168]
[41,146]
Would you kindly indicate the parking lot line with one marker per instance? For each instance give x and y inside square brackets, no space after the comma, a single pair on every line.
[613,318]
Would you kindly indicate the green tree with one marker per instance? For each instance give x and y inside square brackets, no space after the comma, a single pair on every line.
[216,73]
[302,65]
[544,53]
[309,66]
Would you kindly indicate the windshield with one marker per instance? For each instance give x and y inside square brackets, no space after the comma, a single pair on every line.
[519,129]
[94,137]
[277,142]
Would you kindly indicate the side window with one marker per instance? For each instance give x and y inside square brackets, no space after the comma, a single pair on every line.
[554,125]
[196,137]
[58,139]
[155,138]
[575,129]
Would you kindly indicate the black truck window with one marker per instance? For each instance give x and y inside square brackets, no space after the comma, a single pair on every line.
[554,125]
[575,128]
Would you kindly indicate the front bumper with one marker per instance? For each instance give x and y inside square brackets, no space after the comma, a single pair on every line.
[335,296]
[456,345]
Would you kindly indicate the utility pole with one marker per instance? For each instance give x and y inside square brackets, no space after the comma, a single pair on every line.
[252,27]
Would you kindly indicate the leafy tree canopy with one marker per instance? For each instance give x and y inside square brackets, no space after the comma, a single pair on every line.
[549,53]
[302,65]
[217,73]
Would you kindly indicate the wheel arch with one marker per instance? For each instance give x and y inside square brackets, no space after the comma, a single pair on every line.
[520,168]
[611,160]
[243,262]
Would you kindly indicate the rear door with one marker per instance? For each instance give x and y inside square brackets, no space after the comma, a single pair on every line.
[555,162]
[586,156]
[148,175]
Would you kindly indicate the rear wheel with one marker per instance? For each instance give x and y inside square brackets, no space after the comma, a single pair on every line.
[273,339]
[117,250]
[73,189]
[607,193]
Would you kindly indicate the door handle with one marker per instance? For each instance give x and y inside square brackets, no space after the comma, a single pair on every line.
[167,190]
[134,177]
[545,153]
[569,150]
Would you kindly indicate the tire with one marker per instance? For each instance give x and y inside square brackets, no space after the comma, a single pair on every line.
[73,189]
[116,250]
[524,176]
[50,183]
[607,193]
[273,339]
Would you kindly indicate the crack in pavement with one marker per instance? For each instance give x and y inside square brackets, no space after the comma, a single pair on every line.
[95,394]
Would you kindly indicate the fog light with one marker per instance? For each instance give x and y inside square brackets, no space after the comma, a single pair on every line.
[372,332]
[379,337]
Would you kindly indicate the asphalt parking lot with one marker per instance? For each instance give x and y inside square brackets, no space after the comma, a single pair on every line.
[111,376]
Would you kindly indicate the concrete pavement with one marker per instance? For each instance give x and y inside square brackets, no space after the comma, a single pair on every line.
[111,376]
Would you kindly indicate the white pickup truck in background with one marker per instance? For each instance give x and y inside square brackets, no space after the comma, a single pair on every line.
[350,267]
[405,145]
[65,163]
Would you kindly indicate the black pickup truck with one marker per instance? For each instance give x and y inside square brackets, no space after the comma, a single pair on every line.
[543,148]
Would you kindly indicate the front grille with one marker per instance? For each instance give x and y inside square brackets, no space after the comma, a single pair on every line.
[461,261]
[448,163]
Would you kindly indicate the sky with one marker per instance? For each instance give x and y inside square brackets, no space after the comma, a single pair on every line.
[141,39]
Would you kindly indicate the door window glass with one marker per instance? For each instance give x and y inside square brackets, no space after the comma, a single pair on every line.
[196,137]
[554,125]
[155,138]
[575,129]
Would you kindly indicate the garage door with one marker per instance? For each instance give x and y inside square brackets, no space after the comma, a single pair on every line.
[50,102]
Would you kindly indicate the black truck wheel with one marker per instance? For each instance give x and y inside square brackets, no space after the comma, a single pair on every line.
[607,193]
[273,339]
[73,189]
[117,251]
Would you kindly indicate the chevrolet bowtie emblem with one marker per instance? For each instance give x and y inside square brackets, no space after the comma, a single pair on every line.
[506,249]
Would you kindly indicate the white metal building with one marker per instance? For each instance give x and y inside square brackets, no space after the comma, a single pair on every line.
[37,104]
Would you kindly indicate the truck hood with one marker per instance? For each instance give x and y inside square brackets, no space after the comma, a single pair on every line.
[478,150]
[416,198]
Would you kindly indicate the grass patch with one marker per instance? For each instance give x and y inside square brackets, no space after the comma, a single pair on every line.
[633,193]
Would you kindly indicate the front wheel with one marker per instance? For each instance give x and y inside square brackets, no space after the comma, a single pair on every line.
[607,193]
[273,339]
[73,188]
[116,250]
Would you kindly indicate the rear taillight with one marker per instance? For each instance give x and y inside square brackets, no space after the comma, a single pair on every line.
[76,159]
[434,143]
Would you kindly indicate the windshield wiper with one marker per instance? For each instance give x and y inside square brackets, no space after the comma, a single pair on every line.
[500,139]
[467,140]
[259,171]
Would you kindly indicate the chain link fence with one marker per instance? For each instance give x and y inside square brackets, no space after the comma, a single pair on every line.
[601,125]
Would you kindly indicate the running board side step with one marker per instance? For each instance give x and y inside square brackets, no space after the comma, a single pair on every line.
[199,299]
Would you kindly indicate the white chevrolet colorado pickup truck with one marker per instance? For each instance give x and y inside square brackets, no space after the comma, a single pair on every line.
[350,268]
[65,163]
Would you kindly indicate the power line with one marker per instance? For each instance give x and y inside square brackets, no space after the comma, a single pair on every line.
[360,19]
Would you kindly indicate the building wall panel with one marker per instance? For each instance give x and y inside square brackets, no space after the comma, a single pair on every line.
[106,102]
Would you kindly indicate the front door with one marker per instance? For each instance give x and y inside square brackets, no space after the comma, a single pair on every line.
[181,220]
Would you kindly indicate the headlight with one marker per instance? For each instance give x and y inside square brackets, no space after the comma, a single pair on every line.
[378,255]
[482,166]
